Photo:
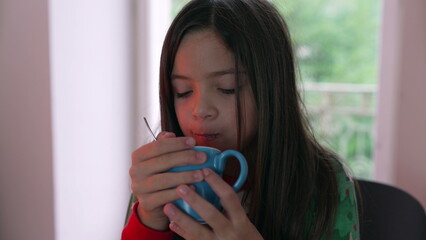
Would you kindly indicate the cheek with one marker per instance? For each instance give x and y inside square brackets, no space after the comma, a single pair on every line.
[182,115]
[181,107]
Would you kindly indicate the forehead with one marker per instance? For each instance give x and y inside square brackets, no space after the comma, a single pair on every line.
[202,51]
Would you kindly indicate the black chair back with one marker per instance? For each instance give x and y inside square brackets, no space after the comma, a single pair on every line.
[387,212]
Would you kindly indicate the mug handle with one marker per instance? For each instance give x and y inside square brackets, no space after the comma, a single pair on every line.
[243,167]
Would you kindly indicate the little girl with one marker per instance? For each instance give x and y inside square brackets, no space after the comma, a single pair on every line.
[228,81]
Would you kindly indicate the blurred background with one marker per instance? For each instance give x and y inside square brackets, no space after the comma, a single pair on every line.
[77,78]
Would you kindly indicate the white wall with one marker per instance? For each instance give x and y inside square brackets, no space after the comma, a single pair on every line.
[26,186]
[401,122]
[92,105]
[65,118]
[153,20]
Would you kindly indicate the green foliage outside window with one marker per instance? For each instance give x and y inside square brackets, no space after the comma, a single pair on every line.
[336,41]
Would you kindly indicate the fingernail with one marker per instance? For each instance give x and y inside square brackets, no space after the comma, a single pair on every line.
[207,171]
[161,133]
[170,134]
[197,175]
[170,211]
[175,228]
[190,142]
[165,134]
[200,157]
[183,189]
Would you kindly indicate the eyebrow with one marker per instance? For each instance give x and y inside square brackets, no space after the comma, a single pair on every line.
[210,75]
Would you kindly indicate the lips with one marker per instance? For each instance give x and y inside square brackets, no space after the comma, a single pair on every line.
[206,137]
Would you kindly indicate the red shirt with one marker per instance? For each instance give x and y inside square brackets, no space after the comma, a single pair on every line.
[135,230]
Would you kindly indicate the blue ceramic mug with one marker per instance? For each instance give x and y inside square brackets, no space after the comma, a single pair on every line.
[216,160]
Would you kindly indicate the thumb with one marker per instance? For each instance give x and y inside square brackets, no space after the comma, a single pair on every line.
[165,134]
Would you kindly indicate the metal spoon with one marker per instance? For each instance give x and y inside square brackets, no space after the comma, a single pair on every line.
[149,128]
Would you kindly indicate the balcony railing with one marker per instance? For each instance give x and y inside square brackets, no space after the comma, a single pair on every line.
[342,116]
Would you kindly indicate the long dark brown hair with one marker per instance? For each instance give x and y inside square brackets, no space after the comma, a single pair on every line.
[293,192]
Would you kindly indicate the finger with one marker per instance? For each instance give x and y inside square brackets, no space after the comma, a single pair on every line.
[171,179]
[206,210]
[165,162]
[149,202]
[228,197]
[152,201]
[165,134]
[175,159]
[162,146]
[184,225]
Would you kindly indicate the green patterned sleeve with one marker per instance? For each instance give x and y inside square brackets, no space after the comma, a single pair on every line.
[347,220]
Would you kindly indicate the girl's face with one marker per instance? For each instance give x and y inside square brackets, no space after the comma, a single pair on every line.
[204,85]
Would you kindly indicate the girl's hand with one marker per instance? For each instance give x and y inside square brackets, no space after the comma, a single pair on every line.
[232,224]
[152,186]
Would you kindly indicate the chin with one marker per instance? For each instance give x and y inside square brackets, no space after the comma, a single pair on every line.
[207,144]
[212,145]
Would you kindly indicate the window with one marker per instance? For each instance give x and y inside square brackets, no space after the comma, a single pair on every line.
[336,44]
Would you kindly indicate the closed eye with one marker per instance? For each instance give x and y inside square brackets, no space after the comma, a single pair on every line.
[227,91]
[183,95]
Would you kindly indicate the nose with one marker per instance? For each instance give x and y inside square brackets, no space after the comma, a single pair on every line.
[204,108]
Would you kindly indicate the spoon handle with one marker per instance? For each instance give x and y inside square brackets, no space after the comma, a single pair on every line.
[149,128]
